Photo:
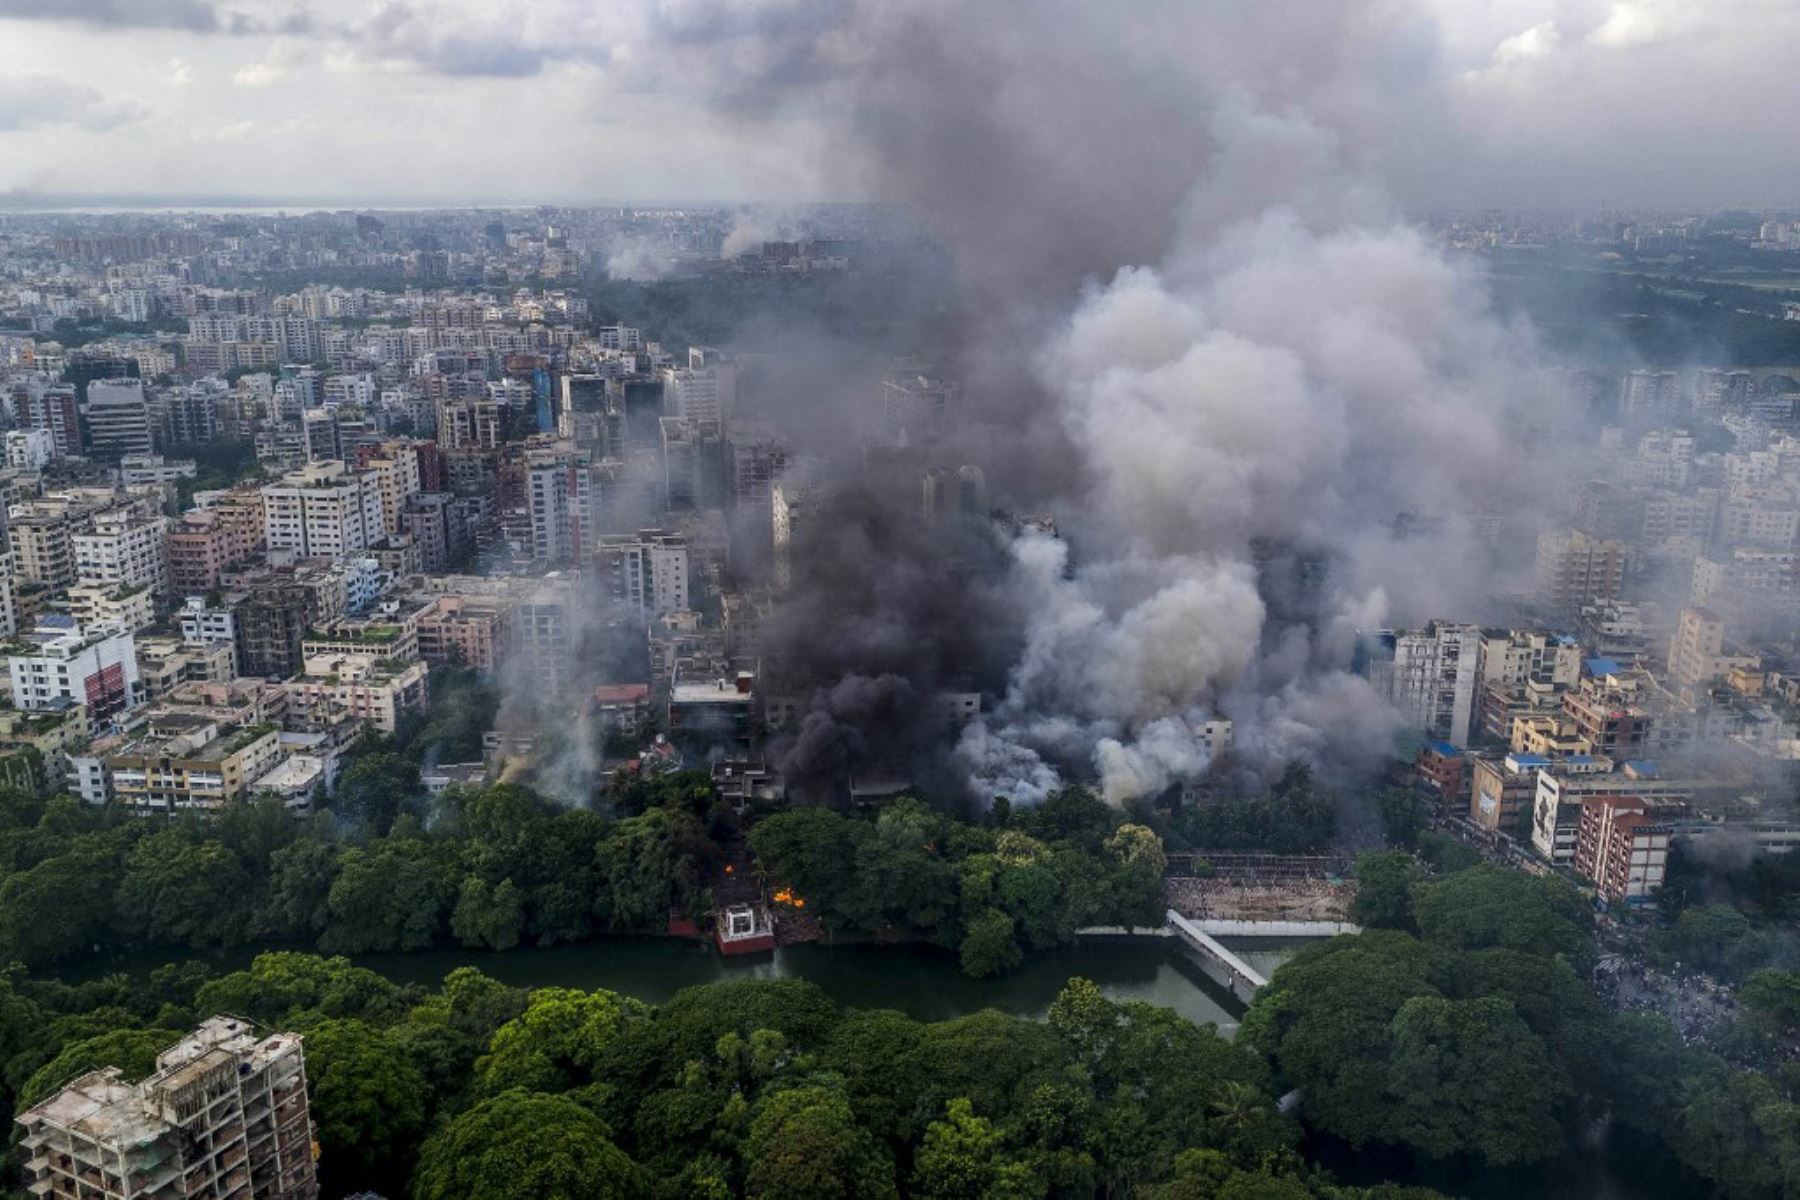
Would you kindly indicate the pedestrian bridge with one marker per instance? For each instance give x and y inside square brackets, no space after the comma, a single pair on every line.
[1240,976]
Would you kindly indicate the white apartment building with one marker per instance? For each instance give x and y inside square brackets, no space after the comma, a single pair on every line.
[155,469]
[619,337]
[704,394]
[1428,675]
[788,506]
[1752,582]
[323,510]
[646,572]
[1765,515]
[356,390]
[201,624]
[1514,657]
[123,550]
[398,479]
[126,607]
[29,449]
[559,493]
[59,664]
[377,690]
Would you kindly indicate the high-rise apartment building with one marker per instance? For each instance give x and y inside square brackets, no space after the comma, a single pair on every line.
[1697,653]
[437,528]
[126,549]
[1623,847]
[693,464]
[1576,569]
[224,1114]
[1649,394]
[201,545]
[43,553]
[1428,675]
[52,409]
[788,509]
[646,572]
[1513,657]
[559,497]
[470,424]
[118,419]
[323,510]
[59,664]
[700,394]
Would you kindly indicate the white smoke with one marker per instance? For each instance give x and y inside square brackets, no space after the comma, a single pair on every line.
[642,259]
[1300,371]
[751,227]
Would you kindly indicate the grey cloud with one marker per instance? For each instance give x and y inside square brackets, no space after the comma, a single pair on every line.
[193,16]
[40,101]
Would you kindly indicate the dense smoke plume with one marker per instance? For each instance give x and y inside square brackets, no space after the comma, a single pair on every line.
[1263,410]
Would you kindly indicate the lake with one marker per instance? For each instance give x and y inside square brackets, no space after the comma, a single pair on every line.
[922,982]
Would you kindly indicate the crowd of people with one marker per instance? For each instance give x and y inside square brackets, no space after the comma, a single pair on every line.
[1696,1004]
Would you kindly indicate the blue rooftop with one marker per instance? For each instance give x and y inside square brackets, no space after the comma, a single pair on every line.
[1603,666]
[1529,760]
[1446,749]
[55,621]
[1644,770]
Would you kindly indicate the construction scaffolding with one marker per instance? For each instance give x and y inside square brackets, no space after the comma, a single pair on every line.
[1227,898]
[1255,865]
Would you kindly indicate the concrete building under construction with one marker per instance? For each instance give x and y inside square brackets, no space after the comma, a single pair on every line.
[224,1115]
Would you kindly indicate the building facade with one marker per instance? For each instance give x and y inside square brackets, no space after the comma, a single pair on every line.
[224,1114]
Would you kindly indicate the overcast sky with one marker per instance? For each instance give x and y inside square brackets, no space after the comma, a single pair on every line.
[1517,102]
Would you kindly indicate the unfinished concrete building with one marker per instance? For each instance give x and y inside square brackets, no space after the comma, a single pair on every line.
[224,1115]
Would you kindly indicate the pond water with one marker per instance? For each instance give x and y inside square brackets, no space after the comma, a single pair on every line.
[922,982]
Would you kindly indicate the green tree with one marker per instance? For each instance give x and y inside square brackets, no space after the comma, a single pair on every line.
[1773,998]
[556,1043]
[177,890]
[986,1057]
[805,1144]
[963,1157]
[1137,879]
[299,894]
[489,916]
[988,945]
[369,1101]
[874,1052]
[376,788]
[1384,883]
[283,986]
[1403,815]
[1709,936]
[62,905]
[649,866]
[813,851]
[1491,906]
[524,1146]
[1736,1129]
[389,895]
[1468,1076]
[1325,1021]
